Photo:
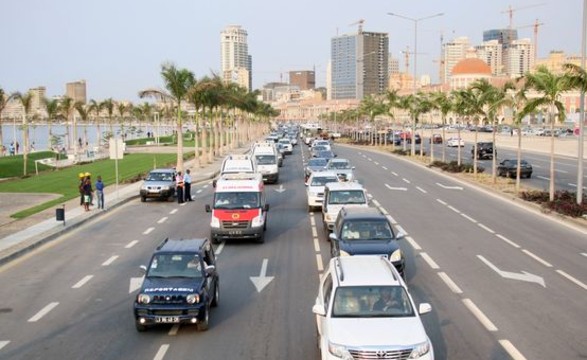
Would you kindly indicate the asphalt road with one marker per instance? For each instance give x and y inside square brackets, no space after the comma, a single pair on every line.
[467,253]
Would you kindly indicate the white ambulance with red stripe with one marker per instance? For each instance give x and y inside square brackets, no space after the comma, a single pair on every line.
[240,209]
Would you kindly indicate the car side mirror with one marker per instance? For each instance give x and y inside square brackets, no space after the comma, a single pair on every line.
[143,269]
[424,308]
[213,183]
[318,309]
[209,270]
[266,207]
[352,168]
[400,235]
[208,209]
[332,237]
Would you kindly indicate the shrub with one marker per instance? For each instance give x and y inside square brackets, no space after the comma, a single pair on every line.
[454,167]
[564,202]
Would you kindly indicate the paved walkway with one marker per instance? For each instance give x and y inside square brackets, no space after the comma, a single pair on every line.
[18,237]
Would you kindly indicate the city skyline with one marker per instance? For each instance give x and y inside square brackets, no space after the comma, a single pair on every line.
[118,48]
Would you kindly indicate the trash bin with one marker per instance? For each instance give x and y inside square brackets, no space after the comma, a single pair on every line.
[60,214]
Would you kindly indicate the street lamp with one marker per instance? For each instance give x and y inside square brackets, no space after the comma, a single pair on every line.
[415,20]
[582,111]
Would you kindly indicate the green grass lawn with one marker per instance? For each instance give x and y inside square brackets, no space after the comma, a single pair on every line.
[65,181]
[12,166]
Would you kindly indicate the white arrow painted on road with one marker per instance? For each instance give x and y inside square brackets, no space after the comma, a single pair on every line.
[450,187]
[281,189]
[524,276]
[396,188]
[262,280]
[135,284]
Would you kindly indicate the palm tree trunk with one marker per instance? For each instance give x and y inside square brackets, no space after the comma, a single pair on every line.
[494,157]
[25,148]
[443,139]
[179,140]
[551,190]
[197,140]
[519,159]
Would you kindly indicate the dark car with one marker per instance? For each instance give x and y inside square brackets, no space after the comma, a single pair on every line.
[417,139]
[436,139]
[509,168]
[484,151]
[159,184]
[366,231]
[181,284]
[313,165]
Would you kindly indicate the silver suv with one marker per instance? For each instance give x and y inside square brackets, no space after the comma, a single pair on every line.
[159,184]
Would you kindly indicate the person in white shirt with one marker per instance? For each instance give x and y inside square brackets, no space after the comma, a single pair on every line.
[187,185]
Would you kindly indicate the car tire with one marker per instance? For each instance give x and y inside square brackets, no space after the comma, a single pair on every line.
[261,238]
[202,325]
[510,175]
[216,299]
[214,239]
[529,176]
[143,198]
[140,327]
[310,209]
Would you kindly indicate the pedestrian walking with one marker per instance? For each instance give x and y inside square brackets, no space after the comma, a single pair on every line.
[187,183]
[17,147]
[179,187]
[100,192]
[87,189]
[11,149]
[82,181]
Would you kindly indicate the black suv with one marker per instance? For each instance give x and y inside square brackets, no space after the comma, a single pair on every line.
[366,231]
[484,151]
[180,285]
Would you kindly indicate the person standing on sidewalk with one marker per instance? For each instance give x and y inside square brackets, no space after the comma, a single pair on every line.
[187,182]
[87,188]
[100,192]
[82,181]
[179,187]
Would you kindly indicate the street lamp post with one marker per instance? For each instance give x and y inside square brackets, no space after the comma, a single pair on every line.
[582,111]
[415,20]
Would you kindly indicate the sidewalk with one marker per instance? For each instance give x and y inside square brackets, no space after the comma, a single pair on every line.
[17,237]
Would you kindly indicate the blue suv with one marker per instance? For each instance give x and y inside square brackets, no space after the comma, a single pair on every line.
[180,285]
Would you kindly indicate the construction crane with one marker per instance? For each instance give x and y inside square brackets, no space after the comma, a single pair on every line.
[360,23]
[535,26]
[407,58]
[510,11]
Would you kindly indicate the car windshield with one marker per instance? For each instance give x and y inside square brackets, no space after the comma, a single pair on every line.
[347,197]
[317,162]
[318,148]
[159,176]
[371,301]
[175,265]
[323,180]
[339,165]
[366,230]
[265,159]
[236,200]
[327,154]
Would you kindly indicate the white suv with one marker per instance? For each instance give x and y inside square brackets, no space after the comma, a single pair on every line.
[364,311]
[315,187]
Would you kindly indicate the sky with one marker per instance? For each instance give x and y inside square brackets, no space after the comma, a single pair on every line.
[118,46]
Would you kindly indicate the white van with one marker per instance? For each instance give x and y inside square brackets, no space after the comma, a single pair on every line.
[237,164]
[266,158]
[338,195]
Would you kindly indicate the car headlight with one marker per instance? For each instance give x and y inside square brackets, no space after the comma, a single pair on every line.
[344,253]
[143,187]
[420,350]
[215,222]
[395,256]
[192,298]
[143,299]
[339,351]
[257,221]
[329,217]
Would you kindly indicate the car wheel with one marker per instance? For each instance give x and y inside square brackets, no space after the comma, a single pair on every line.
[214,239]
[216,298]
[261,238]
[140,327]
[202,325]
[509,174]
[529,175]
[310,209]
[143,198]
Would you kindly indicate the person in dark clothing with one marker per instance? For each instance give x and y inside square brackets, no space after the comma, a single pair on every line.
[87,188]
[179,184]
[100,192]
[187,183]
[81,183]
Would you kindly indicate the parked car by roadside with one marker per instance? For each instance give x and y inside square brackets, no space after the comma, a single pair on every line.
[159,184]
[455,142]
[509,168]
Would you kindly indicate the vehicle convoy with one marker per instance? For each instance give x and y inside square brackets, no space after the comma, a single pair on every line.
[239,210]
[339,195]
[266,157]
[364,311]
[315,187]
[343,168]
[236,164]
[366,231]
[159,184]
[314,164]
[287,145]
[181,284]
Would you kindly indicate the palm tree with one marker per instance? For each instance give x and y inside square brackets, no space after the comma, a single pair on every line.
[96,108]
[66,108]
[84,114]
[4,100]
[52,108]
[516,99]
[108,105]
[416,105]
[444,103]
[122,109]
[550,87]
[27,102]
[372,107]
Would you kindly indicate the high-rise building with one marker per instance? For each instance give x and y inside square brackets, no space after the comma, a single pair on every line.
[305,79]
[492,53]
[77,91]
[237,64]
[519,58]
[504,36]
[359,65]
[393,65]
[453,52]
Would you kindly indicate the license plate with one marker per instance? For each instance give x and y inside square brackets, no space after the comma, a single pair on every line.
[235,232]
[154,191]
[167,319]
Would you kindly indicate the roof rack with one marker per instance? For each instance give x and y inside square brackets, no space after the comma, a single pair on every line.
[389,265]
[163,243]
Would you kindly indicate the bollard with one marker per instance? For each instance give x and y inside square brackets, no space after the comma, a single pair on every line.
[60,214]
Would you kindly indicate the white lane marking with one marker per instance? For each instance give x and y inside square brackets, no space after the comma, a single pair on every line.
[578,282]
[183,204]
[314,232]
[82,282]
[575,185]
[384,168]
[162,220]
[173,331]
[511,349]
[508,241]
[148,231]
[537,258]
[205,186]
[110,260]
[312,221]
[131,244]
[383,211]
[375,162]
[543,178]
[479,315]
[442,202]
[220,247]
[450,187]
[376,203]
[429,260]
[451,284]
[468,218]
[44,311]
[401,229]
[394,173]
[316,245]
[319,262]
[406,181]
[396,188]
[4,343]
[584,254]
[454,209]
[369,159]
[561,171]
[173,211]
[422,190]
[161,353]
[486,228]
[199,191]
[413,243]
[391,220]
